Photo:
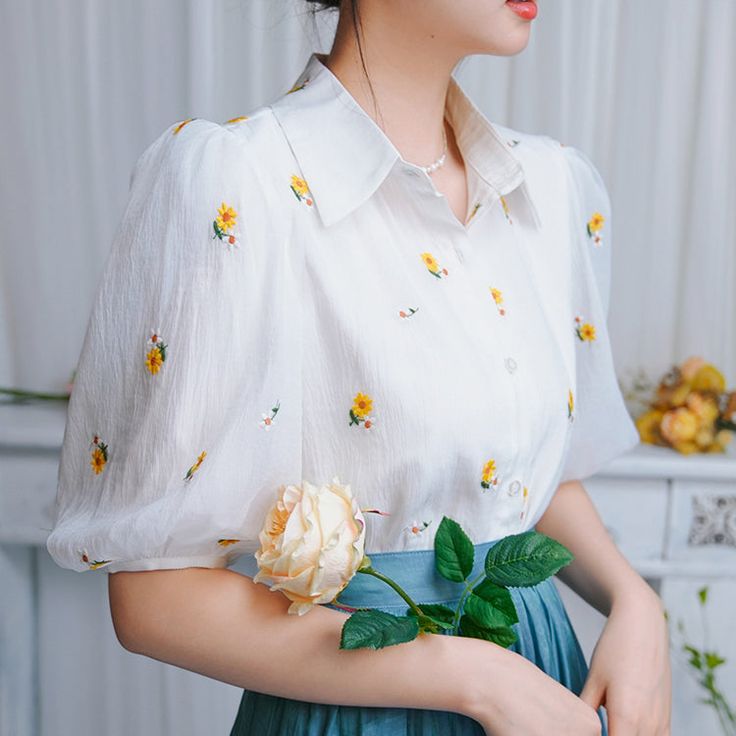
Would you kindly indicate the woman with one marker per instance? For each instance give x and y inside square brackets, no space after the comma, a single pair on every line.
[404,296]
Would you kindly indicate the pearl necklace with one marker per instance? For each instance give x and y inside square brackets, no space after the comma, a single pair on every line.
[441,160]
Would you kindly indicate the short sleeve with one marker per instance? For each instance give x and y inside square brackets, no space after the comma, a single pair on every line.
[601,426]
[185,411]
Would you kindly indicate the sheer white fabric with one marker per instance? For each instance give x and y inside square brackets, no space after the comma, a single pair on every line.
[287,298]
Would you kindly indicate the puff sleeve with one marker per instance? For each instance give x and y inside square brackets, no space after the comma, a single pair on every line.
[185,413]
[601,426]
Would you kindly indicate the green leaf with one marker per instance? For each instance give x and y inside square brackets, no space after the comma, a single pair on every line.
[453,550]
[486,614]
[525,559]
[504,636]
[499,597]
[376,629]
[703,594]
[441,615]
[713,660]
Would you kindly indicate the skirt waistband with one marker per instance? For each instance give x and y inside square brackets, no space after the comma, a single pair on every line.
[415,572]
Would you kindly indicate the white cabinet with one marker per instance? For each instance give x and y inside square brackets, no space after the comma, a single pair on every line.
[63,671]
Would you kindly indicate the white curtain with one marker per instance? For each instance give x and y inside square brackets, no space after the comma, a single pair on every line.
[646,89]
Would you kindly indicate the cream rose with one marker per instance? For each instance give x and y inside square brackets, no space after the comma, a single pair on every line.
[312,543]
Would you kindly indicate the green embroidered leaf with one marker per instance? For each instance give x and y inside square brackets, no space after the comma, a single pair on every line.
[486,614]
[453,550]
[504,636]
[499,597]
[376,629]
[525,559]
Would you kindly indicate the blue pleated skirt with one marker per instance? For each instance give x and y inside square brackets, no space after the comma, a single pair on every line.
[545,636]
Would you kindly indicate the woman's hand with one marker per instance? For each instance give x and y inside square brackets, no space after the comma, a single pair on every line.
[630,667]
[513,696]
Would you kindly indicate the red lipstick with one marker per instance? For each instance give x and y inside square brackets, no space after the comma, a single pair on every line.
[526,9]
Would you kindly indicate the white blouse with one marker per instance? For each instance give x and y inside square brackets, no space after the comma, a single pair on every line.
[287,298]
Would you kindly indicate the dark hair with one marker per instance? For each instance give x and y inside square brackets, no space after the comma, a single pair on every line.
[316,6]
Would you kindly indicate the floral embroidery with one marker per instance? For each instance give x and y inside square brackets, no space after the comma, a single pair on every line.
[570,405]
[298,86]
[584,330]
[236,120]
[300,188]
[489,475]
[415,529]
[476,207]
[196,465]
[181,125]
[403,314]
[513,142]
[498,299]
[223,224]
[267,420]
[359,412]
[526,500]
[506,209]
[99,455]
[594,227]
[155,352]
[432,265]
[92,565]
[226,542]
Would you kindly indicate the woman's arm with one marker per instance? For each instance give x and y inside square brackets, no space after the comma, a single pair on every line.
[599,574]
[221,624]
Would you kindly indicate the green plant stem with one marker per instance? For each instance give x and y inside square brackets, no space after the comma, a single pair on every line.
[20,393]
[466,591]
[394,585]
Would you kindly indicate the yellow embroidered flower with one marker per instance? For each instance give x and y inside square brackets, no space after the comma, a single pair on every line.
[359,412]
[300,188]
[196,465]
[156,352]
[498,298]
[595,223]
[181,125]
[223,224]
[99,455]
[236,120]
[433,267]
[489,477]
[584,330]
[506,209]
[226,217]
[92,565]
[570,404]
[226,542]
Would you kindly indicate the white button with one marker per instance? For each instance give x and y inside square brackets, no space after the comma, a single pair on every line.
[513,488]
[510,364]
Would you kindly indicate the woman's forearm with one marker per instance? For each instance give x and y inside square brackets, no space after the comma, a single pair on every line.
[599,574]
[221,624]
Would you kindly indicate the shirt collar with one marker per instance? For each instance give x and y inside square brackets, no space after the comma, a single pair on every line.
[344,156]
